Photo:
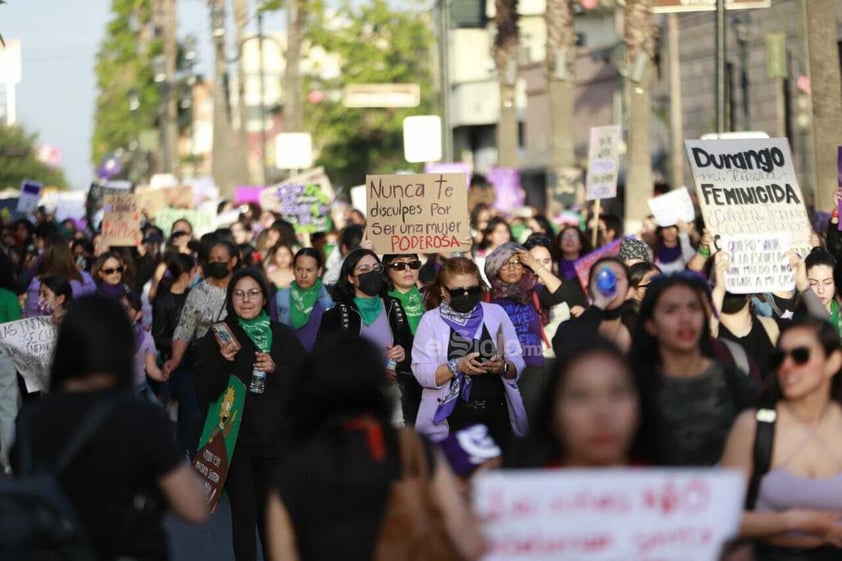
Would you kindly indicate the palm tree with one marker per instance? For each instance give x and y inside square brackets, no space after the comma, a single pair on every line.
[293,118]
[640,35]
[506,44]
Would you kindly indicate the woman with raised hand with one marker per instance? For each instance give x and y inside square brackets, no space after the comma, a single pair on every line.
[302,305]
[794,503]
[467,358]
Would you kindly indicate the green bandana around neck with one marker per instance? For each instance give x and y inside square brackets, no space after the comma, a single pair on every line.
[370,308]
[302,300]
[413,304]
[259,331]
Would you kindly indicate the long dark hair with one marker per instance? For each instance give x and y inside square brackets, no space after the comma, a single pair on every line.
[583,241]
[449,268]
[343,290]
[95,337]
[177,265]
[58,260]
[492,224]
[60,286]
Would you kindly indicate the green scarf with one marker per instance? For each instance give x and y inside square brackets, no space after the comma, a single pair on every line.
[835,319]
[413,304]
[259,331]
[302,300]
[370,308]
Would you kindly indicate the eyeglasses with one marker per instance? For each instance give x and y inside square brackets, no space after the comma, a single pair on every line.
[536,241]
[401,265]
[570,236]
[513,264]
[111,271]
[369,268]
[800,355]
[251,293]
[461,291]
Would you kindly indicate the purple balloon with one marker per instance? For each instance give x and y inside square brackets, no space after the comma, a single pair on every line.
[110,168]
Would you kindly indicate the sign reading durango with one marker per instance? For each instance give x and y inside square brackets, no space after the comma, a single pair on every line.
[423,213]
[749,187]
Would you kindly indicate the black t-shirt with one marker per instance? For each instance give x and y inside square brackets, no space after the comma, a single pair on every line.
[756,343]
[122,460]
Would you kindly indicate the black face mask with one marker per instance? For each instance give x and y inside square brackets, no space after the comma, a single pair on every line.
[372,282]
[218,270]
[733,303]
[464,303]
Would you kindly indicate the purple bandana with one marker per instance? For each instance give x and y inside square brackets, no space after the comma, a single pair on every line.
[466,325]
[460,388]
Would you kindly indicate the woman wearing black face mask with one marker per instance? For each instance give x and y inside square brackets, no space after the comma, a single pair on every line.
[467,357]
[364,308]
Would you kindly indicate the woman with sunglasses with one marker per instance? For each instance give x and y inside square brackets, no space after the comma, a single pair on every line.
[364,308]
[108,272]
[302,305]
[689,398]
[794,510]
[57,260]
[467,357]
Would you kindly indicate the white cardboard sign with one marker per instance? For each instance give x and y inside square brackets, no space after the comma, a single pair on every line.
[673,206]
[30,343]
[603,162]
[758,263]
[608,514]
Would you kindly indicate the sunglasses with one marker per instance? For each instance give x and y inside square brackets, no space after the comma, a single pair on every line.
[459,291]
[536,241]
[800,356]
[110,271]
[401,265]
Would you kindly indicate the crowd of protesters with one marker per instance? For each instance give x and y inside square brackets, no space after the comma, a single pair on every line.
[499,357]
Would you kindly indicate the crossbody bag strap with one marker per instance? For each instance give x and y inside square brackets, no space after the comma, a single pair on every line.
[764,440]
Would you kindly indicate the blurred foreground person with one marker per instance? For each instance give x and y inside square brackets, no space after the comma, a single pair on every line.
[334,489]
[122,481]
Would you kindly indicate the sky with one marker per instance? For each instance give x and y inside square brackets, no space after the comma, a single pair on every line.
[59,42]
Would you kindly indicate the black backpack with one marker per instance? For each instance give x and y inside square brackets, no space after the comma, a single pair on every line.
[37,521]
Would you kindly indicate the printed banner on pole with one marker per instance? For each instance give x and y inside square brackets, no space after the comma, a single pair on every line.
[303,200]
[608,515]
[758,263]
[749,187]
[423,213]
[603,162]
[214,454]
[120,221]
[673,206]
[30,343]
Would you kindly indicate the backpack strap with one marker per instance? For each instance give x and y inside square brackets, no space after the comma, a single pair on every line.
[396,310]
[764,439]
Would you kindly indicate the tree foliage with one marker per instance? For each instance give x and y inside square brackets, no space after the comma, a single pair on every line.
[124,63]
[19,161]
[375,44]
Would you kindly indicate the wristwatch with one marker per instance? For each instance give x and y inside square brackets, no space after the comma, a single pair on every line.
[505,367]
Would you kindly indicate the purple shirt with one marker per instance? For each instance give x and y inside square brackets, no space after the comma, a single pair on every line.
[307,333]
[379,333]
[30,308]
[527,324]
[146,346]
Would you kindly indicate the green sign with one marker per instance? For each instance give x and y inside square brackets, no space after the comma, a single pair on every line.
[215,453]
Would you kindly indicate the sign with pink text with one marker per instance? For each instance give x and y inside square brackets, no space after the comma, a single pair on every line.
[608,514]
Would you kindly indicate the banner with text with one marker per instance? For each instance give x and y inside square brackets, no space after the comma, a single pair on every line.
[748,187]
[30,342]
[203,220]
[120,221]
[151,201]
[603,162]
[758,263]
[423,213]
[303,200]
[608,515]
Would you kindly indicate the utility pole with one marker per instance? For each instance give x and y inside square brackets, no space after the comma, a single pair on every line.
[720,66]
[676,115]
[444,79]
[224,167]
[293,121]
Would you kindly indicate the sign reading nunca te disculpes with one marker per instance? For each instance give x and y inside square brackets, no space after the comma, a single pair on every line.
[749,187]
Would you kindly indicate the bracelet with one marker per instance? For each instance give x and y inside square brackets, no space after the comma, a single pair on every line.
[704,251]
[453,365]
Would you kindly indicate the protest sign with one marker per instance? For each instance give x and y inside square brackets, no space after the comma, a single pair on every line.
[151,201]
[748,187]
[202,219]
[608,515]
[583,265]
[9,209]
[30,343]
[449,167]
[672,206]
[247,194]
[508,194]
[423,213]
[96,195]
[603,163]
[30,194]
[303,200]
[758,263]
[120,221]
[70,204]
[214,454]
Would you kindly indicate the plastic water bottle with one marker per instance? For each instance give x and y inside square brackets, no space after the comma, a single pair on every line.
[258,381]
[606,282]
[391,364]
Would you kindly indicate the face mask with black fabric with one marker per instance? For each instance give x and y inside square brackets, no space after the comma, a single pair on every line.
[218,270]
[733,303]
[372,282]
[464,303]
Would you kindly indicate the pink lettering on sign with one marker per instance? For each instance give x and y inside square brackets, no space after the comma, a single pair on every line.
[690,498]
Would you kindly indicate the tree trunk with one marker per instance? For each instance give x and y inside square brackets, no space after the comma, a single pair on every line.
[505,57]
[827,96]
[293,118]
[640,34]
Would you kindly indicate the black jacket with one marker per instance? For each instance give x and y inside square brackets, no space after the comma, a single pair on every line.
[263,428]
[166,310]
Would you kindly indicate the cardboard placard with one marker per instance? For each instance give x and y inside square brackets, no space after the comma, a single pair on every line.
[203,220]
[30,343]
[673,206]
[30,194]
[608,514]
[303,200]
[583,264]
[603,162]
[758,263]
[151,201]
[423,213]
[749,187]
[214,454]
[120,221]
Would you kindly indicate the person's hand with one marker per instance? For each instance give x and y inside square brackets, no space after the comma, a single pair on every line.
[576,311]
[170,366]
[262,362]
[396,353]
[707,240]
[819,522]
[229,351]
[495,365]
[391,375]
[683,226]
[721,264]
[796,263]
[470,365]
[528,260]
